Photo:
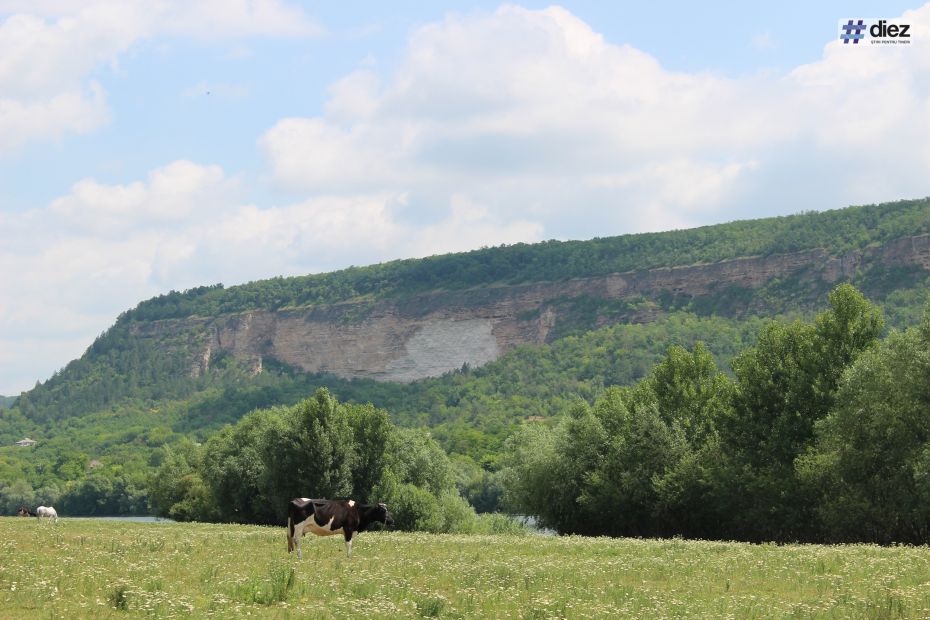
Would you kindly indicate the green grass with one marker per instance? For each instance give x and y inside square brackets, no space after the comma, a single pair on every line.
[105,569]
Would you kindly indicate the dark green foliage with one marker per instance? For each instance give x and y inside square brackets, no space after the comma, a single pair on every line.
[312,454]
[624,482]
[689,451]
[688,391]
[178,490]
[233,466]
[117,366]
[871,461]
[318,448]
[100,494]
[785,384]
[627,465]
[482,488]
[775,404]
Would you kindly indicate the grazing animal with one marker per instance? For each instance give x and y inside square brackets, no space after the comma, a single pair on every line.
[48,512]
[25,512]
[329,517]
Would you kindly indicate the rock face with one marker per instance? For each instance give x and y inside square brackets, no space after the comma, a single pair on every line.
[430,334]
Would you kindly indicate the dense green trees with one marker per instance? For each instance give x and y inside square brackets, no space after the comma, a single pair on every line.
[870,464]
[625,466]
[823,432]
[320,447]
[785,384]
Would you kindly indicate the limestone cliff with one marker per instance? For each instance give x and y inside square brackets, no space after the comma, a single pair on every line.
[429,334]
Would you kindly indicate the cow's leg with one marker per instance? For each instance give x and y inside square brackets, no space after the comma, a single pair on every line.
[298,535]
[290,535]
[348,535]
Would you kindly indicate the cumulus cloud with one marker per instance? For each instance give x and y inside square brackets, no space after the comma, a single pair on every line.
[533,113]
[48,50]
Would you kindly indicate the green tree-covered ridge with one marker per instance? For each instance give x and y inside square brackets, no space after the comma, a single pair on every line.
[121,365]
[835,231]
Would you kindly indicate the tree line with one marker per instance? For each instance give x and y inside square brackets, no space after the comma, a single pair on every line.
[822,434]
[321,448]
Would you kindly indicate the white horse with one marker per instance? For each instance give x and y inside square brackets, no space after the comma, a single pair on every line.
[47,512]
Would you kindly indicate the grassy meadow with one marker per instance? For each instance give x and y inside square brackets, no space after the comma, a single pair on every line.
[81,568]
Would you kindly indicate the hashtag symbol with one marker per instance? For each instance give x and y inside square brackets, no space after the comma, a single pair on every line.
[848,35]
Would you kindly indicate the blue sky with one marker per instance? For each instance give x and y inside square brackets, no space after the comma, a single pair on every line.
[148,147]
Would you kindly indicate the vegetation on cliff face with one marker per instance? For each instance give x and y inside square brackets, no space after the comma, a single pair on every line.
[123,367]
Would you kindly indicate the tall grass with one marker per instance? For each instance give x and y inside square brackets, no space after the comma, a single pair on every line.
[96,569]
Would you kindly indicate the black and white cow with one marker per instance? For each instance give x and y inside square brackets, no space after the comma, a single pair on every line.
[329,517]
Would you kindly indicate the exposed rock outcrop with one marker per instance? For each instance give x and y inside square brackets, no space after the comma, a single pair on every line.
[429,334]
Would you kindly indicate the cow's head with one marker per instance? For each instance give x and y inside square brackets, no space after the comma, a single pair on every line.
[384,516]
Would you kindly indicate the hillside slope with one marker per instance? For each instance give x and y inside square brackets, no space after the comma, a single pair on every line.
[413,319]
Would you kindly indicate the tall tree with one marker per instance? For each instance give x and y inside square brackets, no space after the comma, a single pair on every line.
[315,454]
[785,384]
[870,466]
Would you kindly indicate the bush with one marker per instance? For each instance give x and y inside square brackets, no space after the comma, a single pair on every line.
[415,509]
[499,523]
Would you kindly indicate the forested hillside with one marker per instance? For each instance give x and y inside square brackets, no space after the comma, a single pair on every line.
[470,412]
[121,366]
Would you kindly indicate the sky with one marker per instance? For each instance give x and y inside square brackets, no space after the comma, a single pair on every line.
[149,146]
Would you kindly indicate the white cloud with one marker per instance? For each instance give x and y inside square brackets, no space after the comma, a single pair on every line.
[49,49]
[534,112]
[179,193]
[199,19]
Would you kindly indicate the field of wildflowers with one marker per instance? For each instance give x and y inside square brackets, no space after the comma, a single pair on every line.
[110,569]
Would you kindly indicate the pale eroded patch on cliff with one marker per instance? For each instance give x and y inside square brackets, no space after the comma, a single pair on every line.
[442,345]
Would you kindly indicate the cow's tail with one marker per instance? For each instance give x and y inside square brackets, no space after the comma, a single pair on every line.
[290,534]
